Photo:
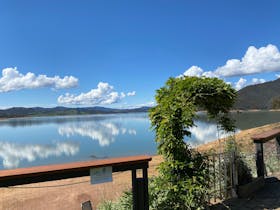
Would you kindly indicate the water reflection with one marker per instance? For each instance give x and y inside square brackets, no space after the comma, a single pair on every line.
[37,121]
[129,132]
[13,153]
[205,132]
[103,132]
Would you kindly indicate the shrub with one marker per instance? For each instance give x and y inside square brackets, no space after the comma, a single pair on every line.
[243,171]
[123,203]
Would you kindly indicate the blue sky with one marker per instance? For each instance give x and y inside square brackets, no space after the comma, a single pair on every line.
[117,53]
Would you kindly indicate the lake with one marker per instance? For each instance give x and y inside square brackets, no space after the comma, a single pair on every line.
[36,141]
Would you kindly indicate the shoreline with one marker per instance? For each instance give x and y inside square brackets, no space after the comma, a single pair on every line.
[107,113]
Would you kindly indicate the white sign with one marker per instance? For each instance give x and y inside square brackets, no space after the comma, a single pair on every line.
[101,175]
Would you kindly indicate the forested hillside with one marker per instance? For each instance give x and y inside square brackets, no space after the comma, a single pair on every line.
[39,111]
[260,96]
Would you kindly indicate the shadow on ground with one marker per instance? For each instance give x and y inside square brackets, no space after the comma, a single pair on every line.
[266,198]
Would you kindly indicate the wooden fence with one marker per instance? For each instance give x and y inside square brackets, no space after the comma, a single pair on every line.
[222,176]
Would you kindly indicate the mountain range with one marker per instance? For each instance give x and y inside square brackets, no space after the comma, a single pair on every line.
[60,110]
[260,96]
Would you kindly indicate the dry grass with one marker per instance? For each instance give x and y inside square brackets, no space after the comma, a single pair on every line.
[243,139]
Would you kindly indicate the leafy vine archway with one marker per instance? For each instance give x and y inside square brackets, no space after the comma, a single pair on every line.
[182,180]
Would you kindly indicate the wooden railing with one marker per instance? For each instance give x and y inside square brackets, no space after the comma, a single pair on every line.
[266,136]
[36,174]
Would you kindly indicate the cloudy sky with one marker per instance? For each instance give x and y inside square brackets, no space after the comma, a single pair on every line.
[117,53]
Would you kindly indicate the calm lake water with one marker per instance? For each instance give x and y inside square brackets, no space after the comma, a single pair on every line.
[48,140]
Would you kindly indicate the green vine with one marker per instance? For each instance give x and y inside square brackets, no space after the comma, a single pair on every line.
[183,176]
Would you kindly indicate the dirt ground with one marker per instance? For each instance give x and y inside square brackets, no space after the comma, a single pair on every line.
[70,193]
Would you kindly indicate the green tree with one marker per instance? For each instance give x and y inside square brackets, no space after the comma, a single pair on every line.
[183,175]
[275,103]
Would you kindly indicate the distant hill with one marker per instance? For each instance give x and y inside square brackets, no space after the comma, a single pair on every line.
[60,110]
[260,96]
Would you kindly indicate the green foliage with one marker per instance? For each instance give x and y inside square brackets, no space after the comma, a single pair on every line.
[231,145]
[180,185]
[124,203]
[183,176]
[107,205]
[243,170]
[275,103]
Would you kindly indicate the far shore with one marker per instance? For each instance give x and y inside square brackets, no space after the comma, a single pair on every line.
[255,110]
[70,197]
[108,113]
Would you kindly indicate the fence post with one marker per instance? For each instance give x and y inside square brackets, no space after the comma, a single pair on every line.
[226,161]
[259,159]
[234,175]
[220,177]
[146,189]
[214,172]
[134,189]
[140,190]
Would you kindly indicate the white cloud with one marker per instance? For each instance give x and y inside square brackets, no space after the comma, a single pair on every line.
[205,132]
[147,104]
[277,75]
[264,59]
[104,94]
[133,93]
[256,81]
[255,60]
[13,153]
[150,103]
[13,80]
[240,83]
[193,71]
[210,74]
